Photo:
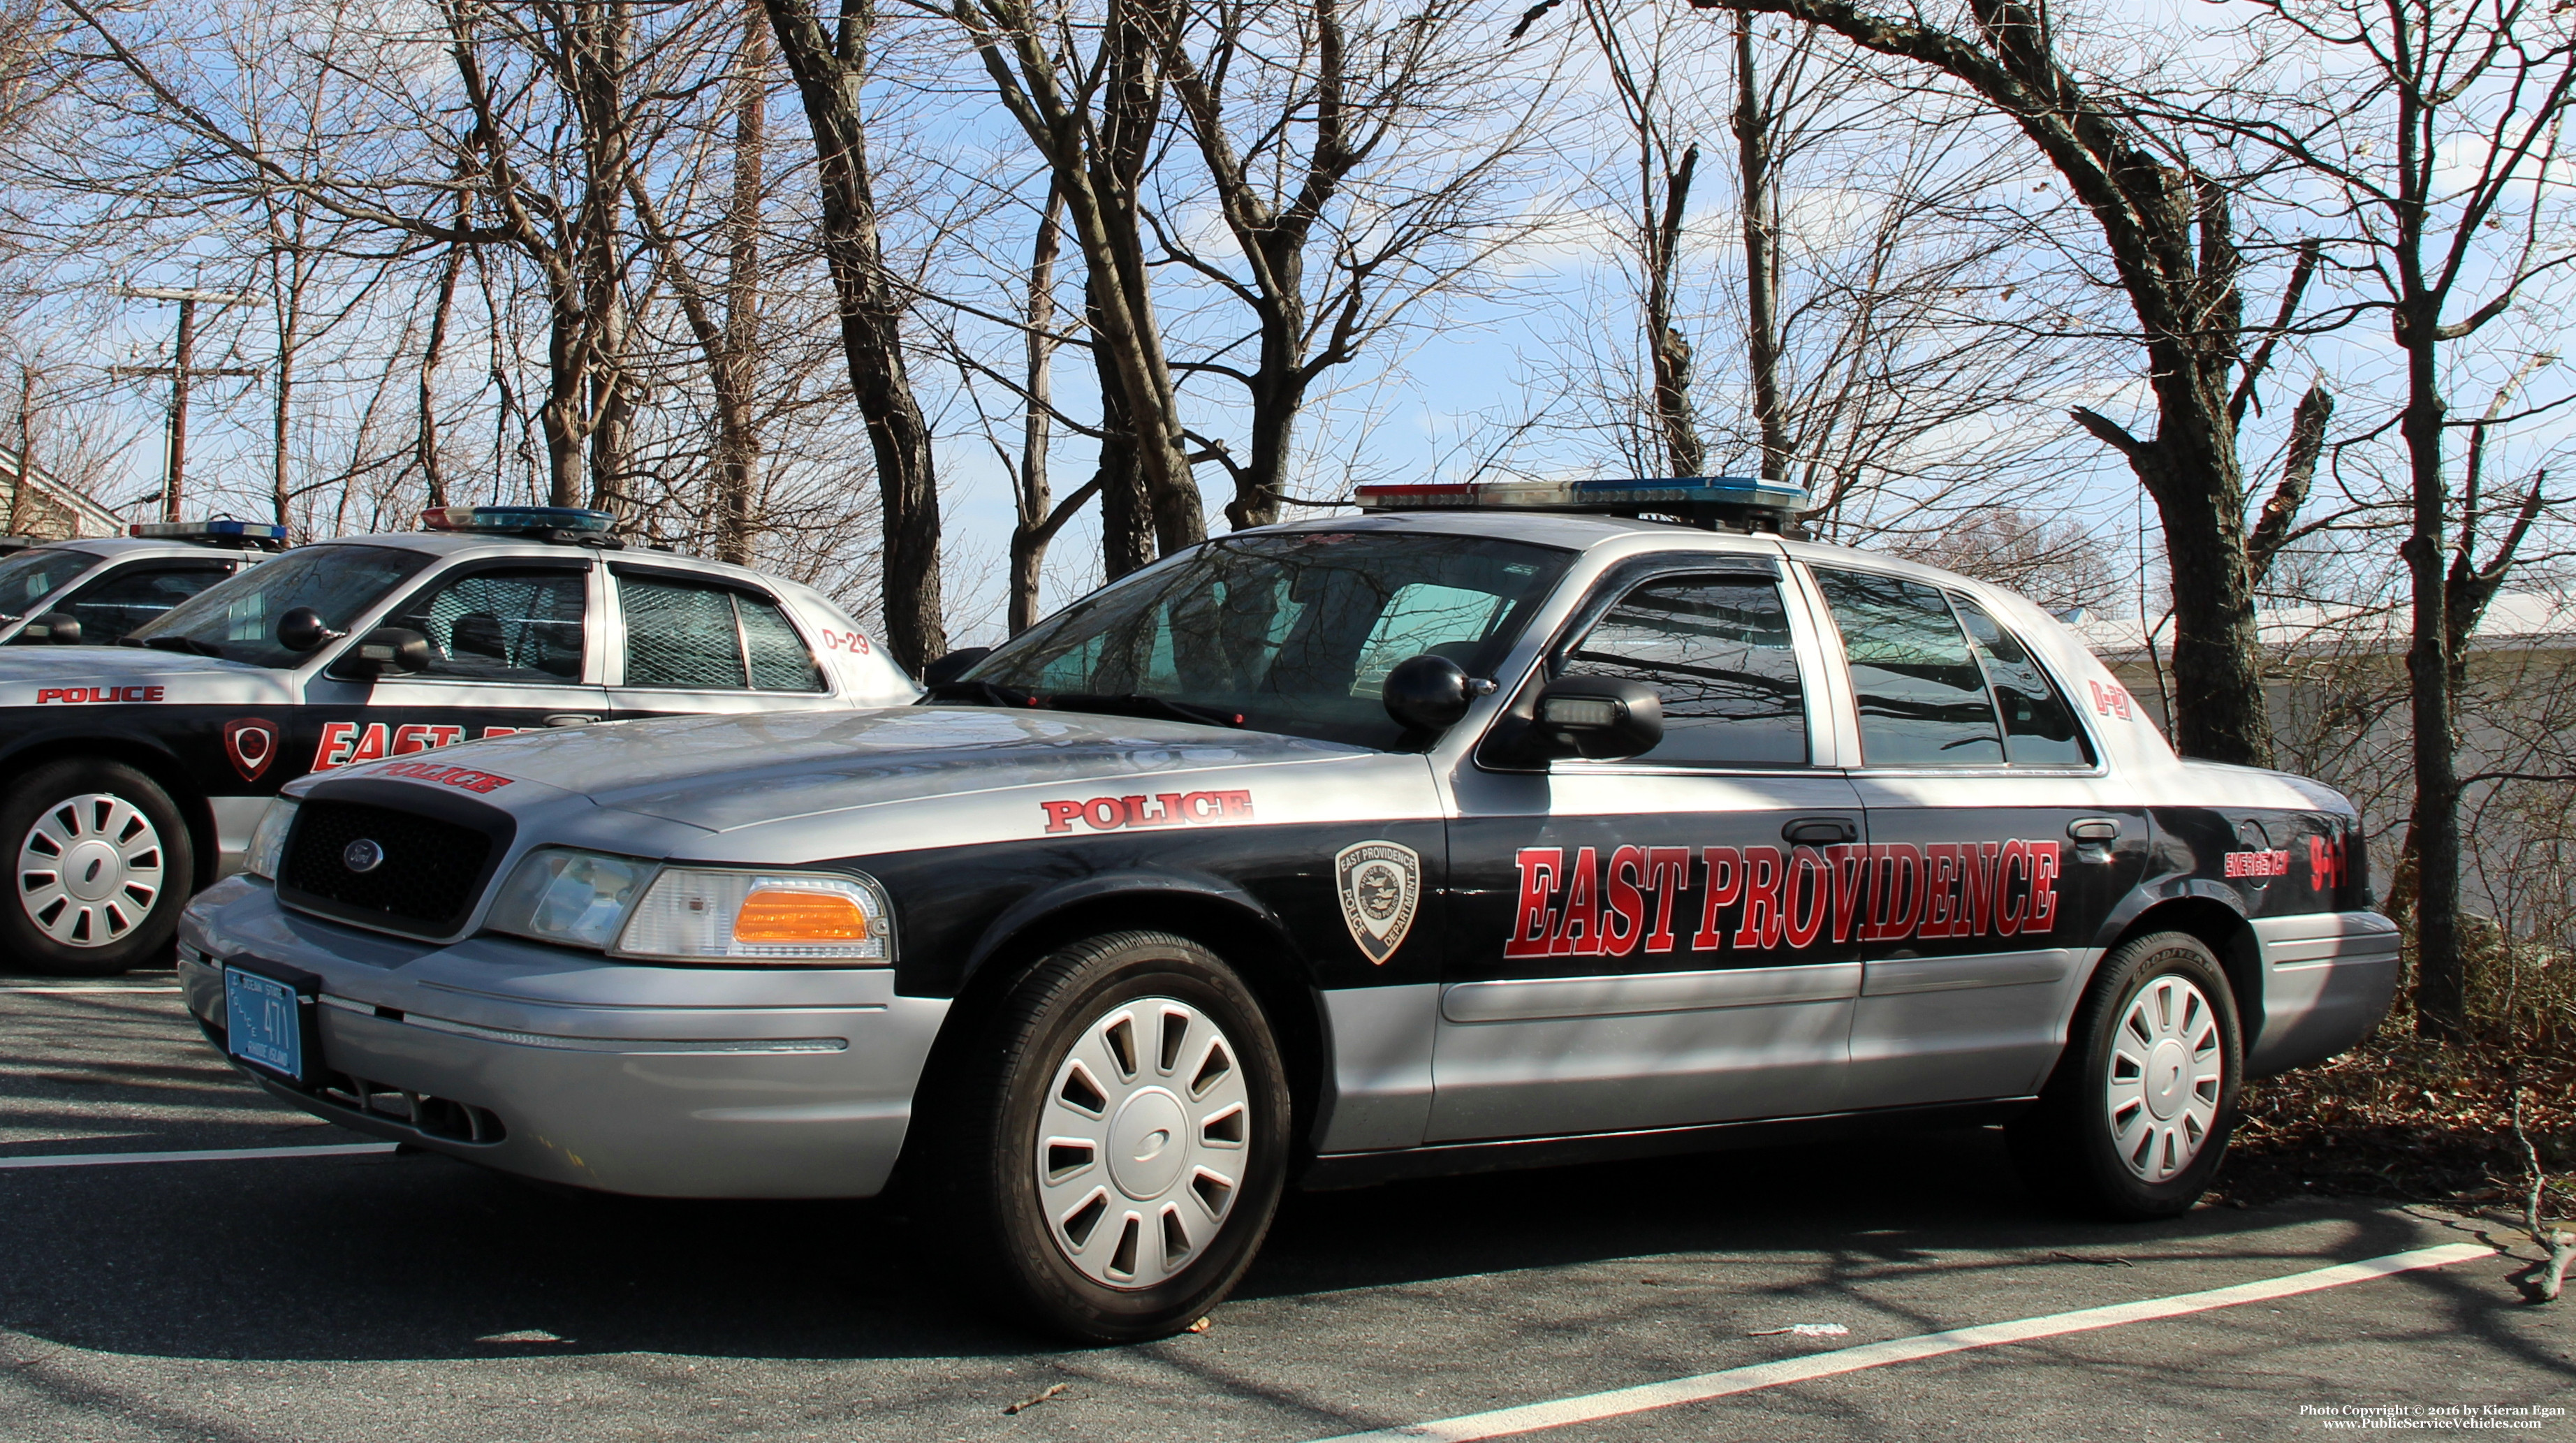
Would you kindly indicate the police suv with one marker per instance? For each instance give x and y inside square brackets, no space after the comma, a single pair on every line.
[96,590]
[1502,826]
[134,773]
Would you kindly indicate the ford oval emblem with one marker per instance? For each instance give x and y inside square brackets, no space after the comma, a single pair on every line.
[362,855]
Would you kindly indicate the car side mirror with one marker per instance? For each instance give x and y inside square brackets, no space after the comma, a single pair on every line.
[59,627]
[393,649]
[954,665]
[1429,692]
[1598,718]
[302,629]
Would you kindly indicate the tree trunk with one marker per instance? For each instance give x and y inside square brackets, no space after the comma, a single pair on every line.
[829,78]
[737,436]
[1126,514]
[1763,342]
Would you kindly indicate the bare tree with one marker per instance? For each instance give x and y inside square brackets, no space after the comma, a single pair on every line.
[2171,238]
[831,73]
[2445,236]
[1091,118]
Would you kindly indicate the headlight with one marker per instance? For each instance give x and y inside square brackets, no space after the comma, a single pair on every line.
[568,897]
[788,917]
[268,840]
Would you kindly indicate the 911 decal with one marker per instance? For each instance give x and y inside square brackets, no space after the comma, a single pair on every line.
[1759,898]
[1163,809]
[2329,862]
[345,744]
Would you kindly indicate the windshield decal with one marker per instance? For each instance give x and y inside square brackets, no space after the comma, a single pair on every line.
[1758,898]
[92,695]
[1164,809]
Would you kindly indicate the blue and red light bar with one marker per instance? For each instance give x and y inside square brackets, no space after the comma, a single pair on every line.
[516,519]
[237,533]
[1703,500]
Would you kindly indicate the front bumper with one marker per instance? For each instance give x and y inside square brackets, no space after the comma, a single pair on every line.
[558,1065]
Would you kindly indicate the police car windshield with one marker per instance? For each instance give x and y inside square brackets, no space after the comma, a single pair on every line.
[237,619]
[1295,631]
[27,578]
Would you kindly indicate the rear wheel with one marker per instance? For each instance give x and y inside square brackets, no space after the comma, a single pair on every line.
[103,865]
[2136,1118]
[1120,1138]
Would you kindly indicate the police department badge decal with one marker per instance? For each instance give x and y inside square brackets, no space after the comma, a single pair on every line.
[1381,888]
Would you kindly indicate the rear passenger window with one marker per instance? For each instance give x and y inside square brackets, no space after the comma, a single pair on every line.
[2039,729]
[1717,649]
[1922,697]
[710,638]
[522,625]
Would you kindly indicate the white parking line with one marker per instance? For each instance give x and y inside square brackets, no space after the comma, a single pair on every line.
[88,989]
[211,1154]
[1593,1407]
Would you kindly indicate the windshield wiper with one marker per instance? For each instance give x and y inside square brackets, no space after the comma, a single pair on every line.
[185,644]
[1135,704]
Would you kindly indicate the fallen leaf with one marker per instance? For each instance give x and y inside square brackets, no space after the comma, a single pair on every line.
[1201,1326]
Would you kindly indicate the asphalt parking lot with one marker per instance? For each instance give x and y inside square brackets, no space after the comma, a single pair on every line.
[395,1297]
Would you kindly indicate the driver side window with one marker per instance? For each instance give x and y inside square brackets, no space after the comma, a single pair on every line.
[510,625]
[1717,649]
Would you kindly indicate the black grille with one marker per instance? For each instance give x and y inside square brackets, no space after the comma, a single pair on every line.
[427,882]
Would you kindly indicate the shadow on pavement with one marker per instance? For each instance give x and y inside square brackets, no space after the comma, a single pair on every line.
[420,1257]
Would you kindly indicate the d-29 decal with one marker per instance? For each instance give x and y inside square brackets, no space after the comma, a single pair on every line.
[1760,898]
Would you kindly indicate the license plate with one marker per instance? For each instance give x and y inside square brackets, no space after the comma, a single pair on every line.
[264,1022]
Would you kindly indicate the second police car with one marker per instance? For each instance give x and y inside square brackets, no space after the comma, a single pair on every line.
[135,772]
[1477,832]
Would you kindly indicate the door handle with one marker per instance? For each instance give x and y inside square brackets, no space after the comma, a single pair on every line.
[1813,831]
[2093,829]
[570,719]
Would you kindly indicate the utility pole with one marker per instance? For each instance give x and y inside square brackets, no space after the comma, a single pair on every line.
[182,374]
[26,447]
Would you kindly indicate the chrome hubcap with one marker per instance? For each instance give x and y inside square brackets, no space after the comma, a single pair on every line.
[1143,1142]
[2166,1071]
[90,870]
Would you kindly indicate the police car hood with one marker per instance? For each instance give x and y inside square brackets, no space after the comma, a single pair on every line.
[724,772]
[30,675]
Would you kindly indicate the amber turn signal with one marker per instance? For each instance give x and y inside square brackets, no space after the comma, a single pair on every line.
[775,914]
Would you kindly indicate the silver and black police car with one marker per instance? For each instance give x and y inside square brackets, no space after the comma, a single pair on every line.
[1499,826]
[135,772]
[98,589]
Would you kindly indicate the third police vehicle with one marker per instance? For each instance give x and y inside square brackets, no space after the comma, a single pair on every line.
[134,772]
[1503,825]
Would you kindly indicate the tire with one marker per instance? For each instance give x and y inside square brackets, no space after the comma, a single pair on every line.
[2135,1120]
[1117,1138]
[132,867]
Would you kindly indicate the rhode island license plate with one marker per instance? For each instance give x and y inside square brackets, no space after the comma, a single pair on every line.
[264,1022]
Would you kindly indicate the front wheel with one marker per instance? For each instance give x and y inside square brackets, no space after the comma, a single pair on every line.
[2135,1120]
[104,864]
[1121,1139]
